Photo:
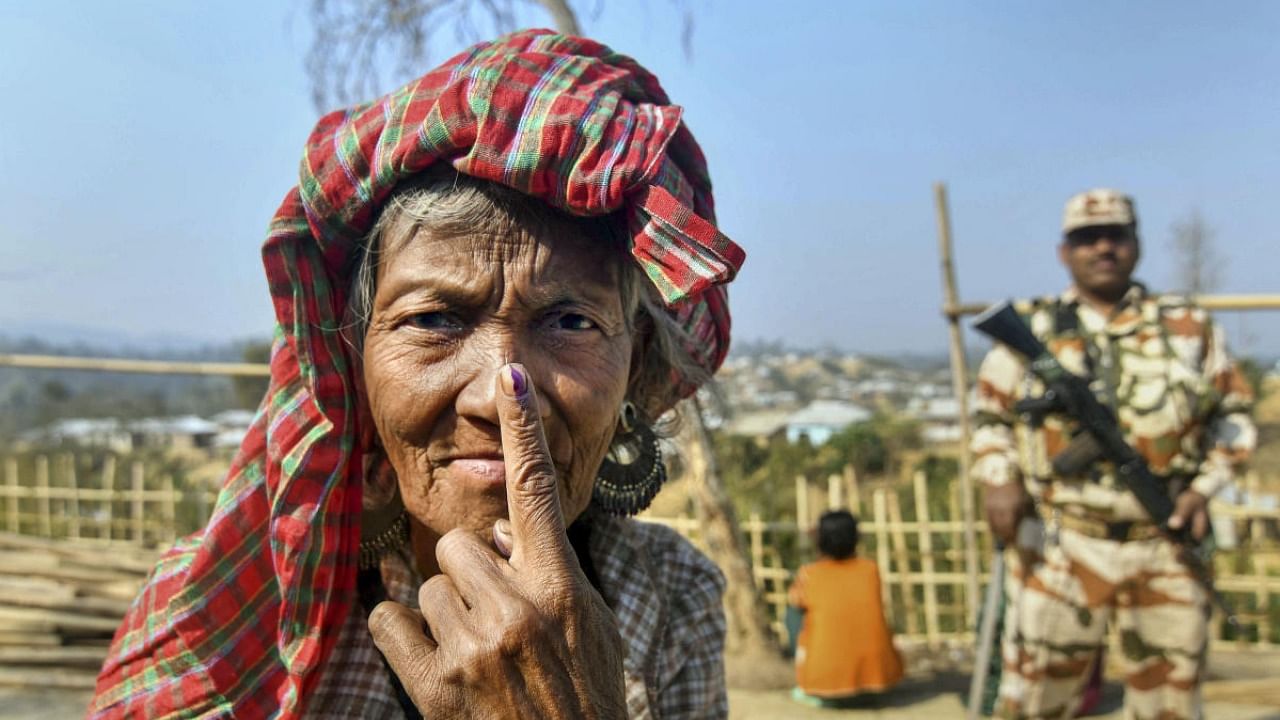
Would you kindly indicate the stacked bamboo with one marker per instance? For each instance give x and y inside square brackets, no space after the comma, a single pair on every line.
[60,603]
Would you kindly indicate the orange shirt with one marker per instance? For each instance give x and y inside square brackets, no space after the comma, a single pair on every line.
[845,646]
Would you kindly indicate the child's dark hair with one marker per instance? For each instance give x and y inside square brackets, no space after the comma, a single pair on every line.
[837,534]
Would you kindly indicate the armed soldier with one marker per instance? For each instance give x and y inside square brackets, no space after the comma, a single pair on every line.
[1160,365]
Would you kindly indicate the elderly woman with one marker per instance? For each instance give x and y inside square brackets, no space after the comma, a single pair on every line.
[488,286]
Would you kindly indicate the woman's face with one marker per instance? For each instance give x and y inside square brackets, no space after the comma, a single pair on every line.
[449,312]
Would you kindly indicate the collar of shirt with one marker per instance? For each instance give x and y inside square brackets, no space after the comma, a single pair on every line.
[1124,318]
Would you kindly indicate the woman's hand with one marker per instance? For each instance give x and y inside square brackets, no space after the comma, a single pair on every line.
[526,637]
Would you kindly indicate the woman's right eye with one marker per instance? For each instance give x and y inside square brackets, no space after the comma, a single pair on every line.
[433,321]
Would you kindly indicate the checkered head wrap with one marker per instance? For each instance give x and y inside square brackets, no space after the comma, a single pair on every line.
[239,619]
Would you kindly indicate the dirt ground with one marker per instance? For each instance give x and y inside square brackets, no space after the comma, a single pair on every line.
[1242,686]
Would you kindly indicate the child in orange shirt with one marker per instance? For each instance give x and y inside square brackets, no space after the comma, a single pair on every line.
[845,647]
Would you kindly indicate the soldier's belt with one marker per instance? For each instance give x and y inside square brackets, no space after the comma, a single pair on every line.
[1119,531]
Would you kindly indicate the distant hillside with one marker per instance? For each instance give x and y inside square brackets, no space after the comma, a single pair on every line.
[32,398]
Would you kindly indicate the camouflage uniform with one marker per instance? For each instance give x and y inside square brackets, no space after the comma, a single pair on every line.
[1162,364]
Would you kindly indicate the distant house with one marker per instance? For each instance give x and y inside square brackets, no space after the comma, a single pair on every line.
[939,418]
[759,424]
[82,432]
[233,425]
[821,419]
[180,433]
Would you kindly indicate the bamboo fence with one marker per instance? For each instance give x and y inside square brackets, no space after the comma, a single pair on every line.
[75,545]
[923,559]
[98,498]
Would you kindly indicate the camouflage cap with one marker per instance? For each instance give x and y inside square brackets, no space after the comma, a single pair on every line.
[1101,206]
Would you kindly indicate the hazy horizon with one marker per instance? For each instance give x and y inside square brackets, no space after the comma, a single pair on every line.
[148,143]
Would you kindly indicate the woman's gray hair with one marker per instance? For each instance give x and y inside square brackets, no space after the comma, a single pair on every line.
[443,200]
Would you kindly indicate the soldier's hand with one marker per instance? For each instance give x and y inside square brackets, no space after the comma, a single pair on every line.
[1006,505]
[1191,508]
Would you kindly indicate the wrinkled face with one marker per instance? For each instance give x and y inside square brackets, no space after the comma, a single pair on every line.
[448,312]
[1101,259]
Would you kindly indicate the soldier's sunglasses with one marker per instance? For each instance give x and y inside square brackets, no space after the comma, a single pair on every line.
[1089,236]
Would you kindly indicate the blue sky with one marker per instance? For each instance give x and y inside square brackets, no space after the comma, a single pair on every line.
[144,146]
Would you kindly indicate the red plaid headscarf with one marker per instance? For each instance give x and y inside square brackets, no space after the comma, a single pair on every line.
[238,620]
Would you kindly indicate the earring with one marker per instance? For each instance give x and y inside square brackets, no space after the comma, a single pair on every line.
[632,473]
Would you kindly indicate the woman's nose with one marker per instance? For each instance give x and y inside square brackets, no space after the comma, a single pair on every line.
[478,397]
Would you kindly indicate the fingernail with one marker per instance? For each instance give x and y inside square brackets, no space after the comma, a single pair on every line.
[514,382]
[502,537]
[1175,522]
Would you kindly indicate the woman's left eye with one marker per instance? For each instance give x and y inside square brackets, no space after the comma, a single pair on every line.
[574,321]
[433,321]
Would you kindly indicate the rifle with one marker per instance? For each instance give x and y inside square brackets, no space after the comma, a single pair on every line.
[1100,438]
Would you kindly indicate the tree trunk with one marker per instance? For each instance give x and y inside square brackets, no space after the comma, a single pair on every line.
[748,619]
[562,16]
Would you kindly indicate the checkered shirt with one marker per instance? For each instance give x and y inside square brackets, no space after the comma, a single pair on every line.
[667,600]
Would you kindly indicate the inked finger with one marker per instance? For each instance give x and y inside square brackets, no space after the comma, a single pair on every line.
[533,501]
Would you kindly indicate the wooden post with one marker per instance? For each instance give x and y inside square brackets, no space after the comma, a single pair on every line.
[900,556]
[851,488]
[834,501]
[802,515]
[1261,569]
[169,510]
[44,522]
[138,508]
[925,544]
[1257,530]
[756,529]
[11,481]
[202,507]
[956,554]
[960,386]
[108,491]
[73,481]
[882,545]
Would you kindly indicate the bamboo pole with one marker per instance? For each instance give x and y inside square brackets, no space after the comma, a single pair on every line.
[882,544]
[138,509]
[151,367]
[960,386]
[44,521]
[169,510]
[852,489]
[108,487]
[11,482]
[925,544]
[73,529]
[834,500]
[756,529]
[802,513]
[956,551]
[901,559]
[1261,568]
[1231,303]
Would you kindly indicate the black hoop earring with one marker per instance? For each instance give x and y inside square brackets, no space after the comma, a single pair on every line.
[632,473]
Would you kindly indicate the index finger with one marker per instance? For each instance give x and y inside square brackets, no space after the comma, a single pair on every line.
[533,499]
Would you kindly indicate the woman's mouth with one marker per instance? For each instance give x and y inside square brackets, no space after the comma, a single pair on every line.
[479,471]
